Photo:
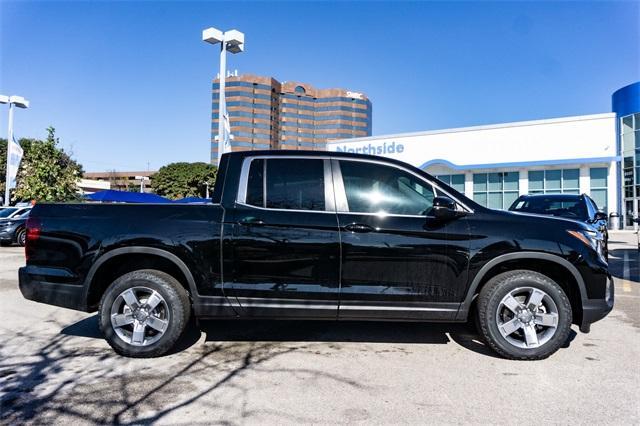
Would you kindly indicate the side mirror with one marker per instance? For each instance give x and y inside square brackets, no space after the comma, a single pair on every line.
[599,216]
[444,208]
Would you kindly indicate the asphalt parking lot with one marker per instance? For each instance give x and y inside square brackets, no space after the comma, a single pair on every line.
[55,368]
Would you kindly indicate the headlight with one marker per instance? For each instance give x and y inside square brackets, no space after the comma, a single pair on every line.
[592,239]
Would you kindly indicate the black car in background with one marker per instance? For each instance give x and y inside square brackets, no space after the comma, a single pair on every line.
[12,229]
[570,206]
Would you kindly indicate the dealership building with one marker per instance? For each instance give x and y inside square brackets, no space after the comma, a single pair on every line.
[597,155]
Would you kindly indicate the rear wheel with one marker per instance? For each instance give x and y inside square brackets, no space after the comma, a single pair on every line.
[524,315]
[144,313]
[21,237]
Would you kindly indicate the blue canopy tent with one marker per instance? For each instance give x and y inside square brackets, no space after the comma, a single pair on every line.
[113,196]
[193,200]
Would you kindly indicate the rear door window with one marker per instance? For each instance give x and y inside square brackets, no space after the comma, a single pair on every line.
[286,183]
[296,184]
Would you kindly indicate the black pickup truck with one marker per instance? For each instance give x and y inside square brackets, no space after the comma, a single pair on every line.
[317,235]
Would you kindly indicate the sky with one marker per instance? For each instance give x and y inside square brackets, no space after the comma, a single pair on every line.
[127,85]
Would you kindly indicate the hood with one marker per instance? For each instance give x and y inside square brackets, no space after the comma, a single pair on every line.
[544,220]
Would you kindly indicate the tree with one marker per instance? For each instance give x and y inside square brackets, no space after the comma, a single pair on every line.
[179,180]
[47,172]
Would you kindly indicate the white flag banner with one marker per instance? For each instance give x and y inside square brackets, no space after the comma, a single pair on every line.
[13,162]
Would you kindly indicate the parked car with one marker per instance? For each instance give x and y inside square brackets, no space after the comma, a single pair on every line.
[571,206]
[317,235]
[12,230]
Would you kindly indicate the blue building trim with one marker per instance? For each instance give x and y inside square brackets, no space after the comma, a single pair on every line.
[626,100]
[519,163]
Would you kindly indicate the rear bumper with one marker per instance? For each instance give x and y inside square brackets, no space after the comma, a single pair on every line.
[34,286]
[595,309]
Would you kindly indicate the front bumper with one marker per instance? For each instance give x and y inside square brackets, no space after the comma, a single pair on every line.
[595,309]
[6,235]
[35,284]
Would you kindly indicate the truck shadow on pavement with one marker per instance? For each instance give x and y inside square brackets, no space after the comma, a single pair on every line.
[314,331]
[57,378]
[66,382]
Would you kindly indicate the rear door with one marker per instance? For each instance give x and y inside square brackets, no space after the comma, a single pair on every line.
[284,250]
[398,262]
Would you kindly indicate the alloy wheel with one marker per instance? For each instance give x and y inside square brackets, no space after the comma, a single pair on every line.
[527,317]
[139,316]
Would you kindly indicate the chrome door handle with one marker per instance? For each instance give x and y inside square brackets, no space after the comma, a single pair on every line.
[251,221]
[358,227]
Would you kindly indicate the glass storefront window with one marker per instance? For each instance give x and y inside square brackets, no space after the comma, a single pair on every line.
[496,190]
[561,181]
[627,124]
[571,178]
[479,182]
[511,181]
[454,181]
[598,185]
[553,180]
[495,181]
[536,181]
[510,197]
[630,141]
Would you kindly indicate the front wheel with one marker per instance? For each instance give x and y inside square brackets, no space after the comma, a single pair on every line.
[144,313]
[524,315]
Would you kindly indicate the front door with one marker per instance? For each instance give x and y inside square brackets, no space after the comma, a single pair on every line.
[284,251]
[397,262]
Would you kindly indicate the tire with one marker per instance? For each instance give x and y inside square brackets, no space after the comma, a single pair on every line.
[539,331]
[21,237]
[151,322]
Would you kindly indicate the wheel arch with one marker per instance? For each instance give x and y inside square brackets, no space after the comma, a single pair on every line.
[550,265]
[100,276]
[18,229]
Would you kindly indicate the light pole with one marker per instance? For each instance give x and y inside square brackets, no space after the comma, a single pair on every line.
[232,41]
[142,180]
[20,102]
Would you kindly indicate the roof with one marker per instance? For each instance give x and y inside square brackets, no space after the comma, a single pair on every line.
[483,127]
[295,153]
[565,196]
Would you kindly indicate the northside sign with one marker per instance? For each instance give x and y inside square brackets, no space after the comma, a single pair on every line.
[385,148]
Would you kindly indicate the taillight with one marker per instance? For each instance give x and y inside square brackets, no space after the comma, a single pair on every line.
[33,227]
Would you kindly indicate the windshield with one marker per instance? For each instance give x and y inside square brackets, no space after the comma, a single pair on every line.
[569,207]
[6,212]
[22,215]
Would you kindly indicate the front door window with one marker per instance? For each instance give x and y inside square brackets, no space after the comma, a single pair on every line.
[372,188]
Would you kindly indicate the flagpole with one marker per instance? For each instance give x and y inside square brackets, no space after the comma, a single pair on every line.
[9,142]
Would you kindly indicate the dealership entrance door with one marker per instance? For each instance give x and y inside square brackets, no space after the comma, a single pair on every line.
[630,212]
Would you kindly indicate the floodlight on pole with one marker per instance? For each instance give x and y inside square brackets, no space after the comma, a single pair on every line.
[19,102]
[232,41]
[142,180]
